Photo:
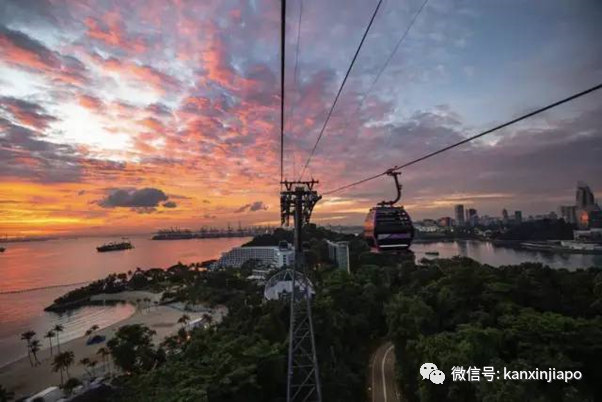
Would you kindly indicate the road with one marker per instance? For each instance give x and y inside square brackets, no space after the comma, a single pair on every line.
[384,387]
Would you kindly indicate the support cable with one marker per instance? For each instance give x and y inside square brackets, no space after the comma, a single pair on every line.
[282,58]
[313,151]
[474,137]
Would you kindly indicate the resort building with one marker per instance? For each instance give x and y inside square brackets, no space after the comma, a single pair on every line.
[268,256]
[339,252]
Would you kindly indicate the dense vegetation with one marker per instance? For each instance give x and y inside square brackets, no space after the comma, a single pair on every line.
[545,229]
[461,313]
[450,312]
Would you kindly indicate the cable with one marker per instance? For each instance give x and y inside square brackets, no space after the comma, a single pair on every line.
[313,151]
[384,66]
[474,137]
[282,57]
[295,78]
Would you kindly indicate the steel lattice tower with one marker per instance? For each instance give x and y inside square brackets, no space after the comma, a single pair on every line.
[303,378]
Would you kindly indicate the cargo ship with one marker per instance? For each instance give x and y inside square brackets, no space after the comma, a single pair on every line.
[115,246]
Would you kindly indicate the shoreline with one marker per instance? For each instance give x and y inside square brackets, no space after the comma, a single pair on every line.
[19,377]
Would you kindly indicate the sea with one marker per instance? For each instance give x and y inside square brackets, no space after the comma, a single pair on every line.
[33,274]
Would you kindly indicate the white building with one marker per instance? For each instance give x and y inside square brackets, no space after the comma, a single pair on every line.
[281,285]
[339,252]
[270,256]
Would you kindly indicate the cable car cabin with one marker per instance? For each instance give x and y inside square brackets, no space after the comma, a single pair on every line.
[388,228]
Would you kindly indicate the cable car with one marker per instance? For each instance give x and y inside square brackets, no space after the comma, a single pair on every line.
[389,228]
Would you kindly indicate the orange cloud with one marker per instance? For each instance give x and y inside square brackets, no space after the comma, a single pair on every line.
[112,34]
[142,73]
[90,102]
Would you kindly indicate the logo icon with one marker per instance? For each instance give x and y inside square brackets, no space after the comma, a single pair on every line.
[431,372]
[426,369]
[437,377]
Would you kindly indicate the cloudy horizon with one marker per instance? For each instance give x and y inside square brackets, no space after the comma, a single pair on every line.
[133,116]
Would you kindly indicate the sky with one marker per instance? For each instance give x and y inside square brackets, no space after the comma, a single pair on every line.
[130,116]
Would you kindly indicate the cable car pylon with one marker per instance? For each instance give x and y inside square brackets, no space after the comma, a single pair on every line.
[303,377]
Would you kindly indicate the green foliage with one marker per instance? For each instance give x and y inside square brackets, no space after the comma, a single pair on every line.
[132,349]
[5,395]
[520,317]
[544,229]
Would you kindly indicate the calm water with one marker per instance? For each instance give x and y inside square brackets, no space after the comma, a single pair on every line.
[486,253]
[38,264]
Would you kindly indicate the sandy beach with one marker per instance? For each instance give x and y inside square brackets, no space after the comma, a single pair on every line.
[22,379]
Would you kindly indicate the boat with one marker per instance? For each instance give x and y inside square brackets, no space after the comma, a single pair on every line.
[115,246]
[2,249]
[433,253]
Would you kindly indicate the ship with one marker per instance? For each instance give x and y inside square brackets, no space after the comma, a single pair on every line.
[115,246]
[2,249]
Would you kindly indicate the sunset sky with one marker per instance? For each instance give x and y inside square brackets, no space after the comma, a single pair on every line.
[130,116]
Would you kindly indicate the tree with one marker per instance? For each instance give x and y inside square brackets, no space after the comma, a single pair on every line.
[58,328]
[62,361]
[185,319]
[86,363]
[28,336]
[5,395]
[50,334]
[104,353]
[132,348]
[35,348]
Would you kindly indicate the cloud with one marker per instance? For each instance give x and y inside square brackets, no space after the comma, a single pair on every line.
[132,198]
[20,50]
[90,102]
[253,207]
[26,113]
[25,153]
[112,33]
[143,74]
[169,204]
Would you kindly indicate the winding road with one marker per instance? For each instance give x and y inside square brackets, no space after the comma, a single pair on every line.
[384,388]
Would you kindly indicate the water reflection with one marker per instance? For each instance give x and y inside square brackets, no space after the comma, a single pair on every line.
[487,253]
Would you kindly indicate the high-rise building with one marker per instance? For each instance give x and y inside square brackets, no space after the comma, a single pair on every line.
[505,217]
[595,219]
[518,216]
[585,197]
[471,217]
[569,214]
[459,210]
[339,252]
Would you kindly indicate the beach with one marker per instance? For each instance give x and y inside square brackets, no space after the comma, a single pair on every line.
[22,379]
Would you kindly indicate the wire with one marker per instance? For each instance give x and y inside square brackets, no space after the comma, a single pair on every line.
[474,137]
[282,58]
[313,151]
[384,66]
[296,78]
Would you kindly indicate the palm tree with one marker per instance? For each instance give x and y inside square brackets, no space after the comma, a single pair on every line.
[28,336]
[184,320]
[92,366]
[50,334]
[34,346]
[104,353]
[86,363]
[61,362]
[58,328]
